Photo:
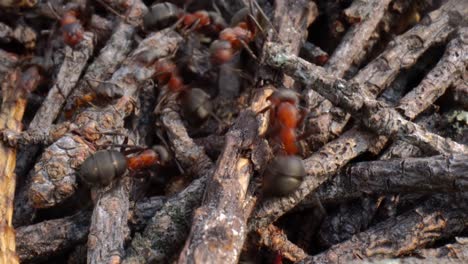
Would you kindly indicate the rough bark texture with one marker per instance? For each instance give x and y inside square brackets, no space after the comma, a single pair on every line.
[446,72]
[14,92]
[413,175]
[42,240]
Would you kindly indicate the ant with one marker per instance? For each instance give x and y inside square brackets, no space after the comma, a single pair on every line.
[285,173]
[164,14]
[104,166]
[72,30]
[232,39]
[195,102]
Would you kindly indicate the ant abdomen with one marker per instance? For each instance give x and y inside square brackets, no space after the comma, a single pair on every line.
[103,167]
[283,175]
[197,106]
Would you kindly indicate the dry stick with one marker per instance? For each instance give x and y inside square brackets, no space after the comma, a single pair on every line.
[14,92]
[401,53]
[433,85]
[110,57]
[109,221]
[411,260]
[40,241]
[219,223]
[456,251]
[275,239]
[166,231]
[221,220]
[22,34]
[414,175]
[350,96]
[446,72]
[370,14]
[313,53]
[7,62]
[67,77]
[402,234]
[318,166]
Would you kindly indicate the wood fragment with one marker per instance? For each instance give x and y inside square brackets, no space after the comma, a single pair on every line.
[42,240]
[401,235]
[110,57]
[402,53]
[446,72]
[275,239]
[413,175]
[369,13]
[457,251]
[22,34]
[14,99]
[375,115]
[109,225]
[219,222]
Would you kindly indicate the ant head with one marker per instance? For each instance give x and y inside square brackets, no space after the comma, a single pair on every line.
[163,154]
[161,15]
[283,175]
[283,95]
[221,51]
[197,106]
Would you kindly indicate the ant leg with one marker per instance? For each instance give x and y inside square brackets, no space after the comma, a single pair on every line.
[164,142]
[249,50]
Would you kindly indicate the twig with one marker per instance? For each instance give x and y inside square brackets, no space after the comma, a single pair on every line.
[275,239]
[111,56]
[370,14]
[352,97]
[14,94]
[446,72]
[402,53]
[109,225]
[457,251]
[42,240]
[222,208]
[401,235]
[415,175]
[23,34]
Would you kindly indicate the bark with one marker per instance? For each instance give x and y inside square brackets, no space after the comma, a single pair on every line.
[457,251]
[220,221]
[446,72]
[375,115]
[275,239]
[109,226]
[401,235]
[370,14]
[110,57]
[43,240]
[401,53]
[22,34]
[409,175]
[14,94]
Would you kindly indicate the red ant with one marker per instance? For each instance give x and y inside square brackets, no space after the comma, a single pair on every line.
[286,172]
[232,39]
[164,14]
[104,166]
[196,103]
[72,30]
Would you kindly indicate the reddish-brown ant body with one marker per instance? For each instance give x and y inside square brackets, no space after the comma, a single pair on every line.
[286,172]
[72,30]
[164,14]
[196,103]
[104,166]
[232,39]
